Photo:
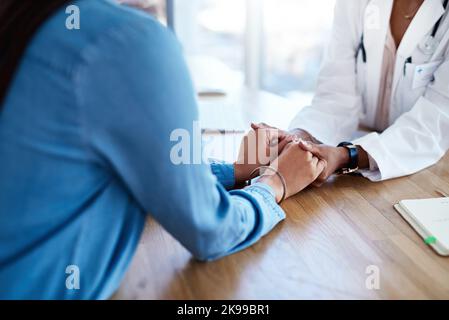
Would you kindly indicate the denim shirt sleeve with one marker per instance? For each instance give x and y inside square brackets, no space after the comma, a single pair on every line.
[263,198]
[224,173]
[135,113]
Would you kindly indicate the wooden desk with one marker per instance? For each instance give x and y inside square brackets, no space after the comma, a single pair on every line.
[321,251]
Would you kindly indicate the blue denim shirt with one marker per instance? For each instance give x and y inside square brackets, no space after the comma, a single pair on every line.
[85,155]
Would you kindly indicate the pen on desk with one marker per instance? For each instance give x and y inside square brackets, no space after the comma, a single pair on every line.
[211,131]
[442,193]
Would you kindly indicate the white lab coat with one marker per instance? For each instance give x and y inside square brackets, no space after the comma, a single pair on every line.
[348,89]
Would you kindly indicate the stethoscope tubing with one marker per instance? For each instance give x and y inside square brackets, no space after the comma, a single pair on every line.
[437,25]
[361,47]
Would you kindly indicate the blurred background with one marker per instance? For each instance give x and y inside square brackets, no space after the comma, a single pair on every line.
[271,45]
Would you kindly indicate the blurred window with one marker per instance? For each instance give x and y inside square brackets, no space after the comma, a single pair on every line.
[295,33]
[292,35]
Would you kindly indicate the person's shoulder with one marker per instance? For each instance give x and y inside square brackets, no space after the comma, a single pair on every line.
[61,41]
[103,16]
[108,22]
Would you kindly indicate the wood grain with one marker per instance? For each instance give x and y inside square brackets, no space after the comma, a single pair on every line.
[321,251]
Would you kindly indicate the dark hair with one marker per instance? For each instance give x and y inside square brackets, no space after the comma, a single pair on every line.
[19,21]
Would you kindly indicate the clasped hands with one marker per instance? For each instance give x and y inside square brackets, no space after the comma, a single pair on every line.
[297,156]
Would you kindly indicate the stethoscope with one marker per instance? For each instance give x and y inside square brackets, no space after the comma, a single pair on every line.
[427,47]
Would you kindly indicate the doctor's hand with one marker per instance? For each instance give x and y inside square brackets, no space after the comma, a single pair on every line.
[299,169]
[298,134]
[258,148]
[336,158]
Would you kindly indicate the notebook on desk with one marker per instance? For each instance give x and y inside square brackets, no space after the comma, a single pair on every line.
[430,219]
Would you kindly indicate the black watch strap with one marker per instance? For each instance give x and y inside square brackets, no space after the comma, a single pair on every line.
[353,164]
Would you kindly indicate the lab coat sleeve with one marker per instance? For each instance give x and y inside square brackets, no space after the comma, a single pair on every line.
[418,139]
[334,113]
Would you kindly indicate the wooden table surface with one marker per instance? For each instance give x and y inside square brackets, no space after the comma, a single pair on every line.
[321,251]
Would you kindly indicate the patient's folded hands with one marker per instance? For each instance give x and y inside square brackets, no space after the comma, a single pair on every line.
[336,158]
[259,148]
[297,167]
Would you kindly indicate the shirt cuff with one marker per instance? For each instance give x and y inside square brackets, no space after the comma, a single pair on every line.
[224,173]
[270,212]
[369,144]
[372,164]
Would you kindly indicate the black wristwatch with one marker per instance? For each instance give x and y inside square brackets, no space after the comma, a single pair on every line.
[353,164]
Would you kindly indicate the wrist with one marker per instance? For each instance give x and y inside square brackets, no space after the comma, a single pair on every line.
[242,172]
[239,173]
[363,158]
[343,157]
[274,183]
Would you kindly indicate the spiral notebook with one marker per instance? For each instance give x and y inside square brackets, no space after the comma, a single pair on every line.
[430,219]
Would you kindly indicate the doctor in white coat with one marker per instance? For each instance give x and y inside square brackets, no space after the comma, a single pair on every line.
[386,69]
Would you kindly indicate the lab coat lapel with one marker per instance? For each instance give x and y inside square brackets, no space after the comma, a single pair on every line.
[377,22]
[421,25]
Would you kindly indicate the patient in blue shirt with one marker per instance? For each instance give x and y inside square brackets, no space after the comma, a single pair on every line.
[85,155]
